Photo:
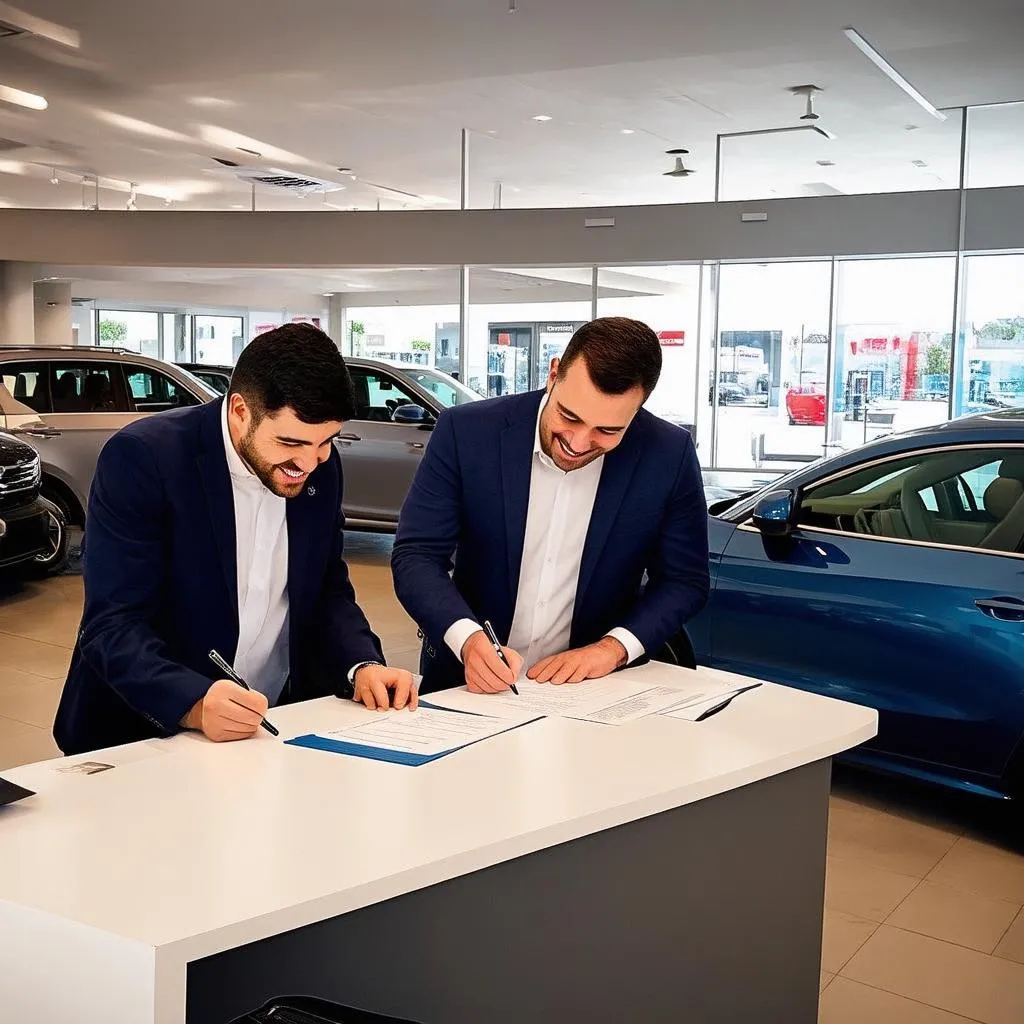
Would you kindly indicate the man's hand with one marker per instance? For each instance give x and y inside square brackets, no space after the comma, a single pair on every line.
[574,666]
[227,712]
[380,688]
[485,672]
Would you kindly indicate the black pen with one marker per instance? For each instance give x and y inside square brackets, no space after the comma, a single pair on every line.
[236,678]
[725,703]
[493,637]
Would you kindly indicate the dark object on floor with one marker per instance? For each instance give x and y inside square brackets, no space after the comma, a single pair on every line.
[9,792]
[307,1010]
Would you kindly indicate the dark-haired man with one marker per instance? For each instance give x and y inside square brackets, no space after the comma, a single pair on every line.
[554,505]
[220,528]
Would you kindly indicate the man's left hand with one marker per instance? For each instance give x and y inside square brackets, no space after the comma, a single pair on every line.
[380,688]
[592,662]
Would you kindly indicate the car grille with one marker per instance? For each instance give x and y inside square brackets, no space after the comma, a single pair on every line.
[19,484]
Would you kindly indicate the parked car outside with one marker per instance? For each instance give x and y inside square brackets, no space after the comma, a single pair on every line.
[32,531]
[891,576]
[806,405]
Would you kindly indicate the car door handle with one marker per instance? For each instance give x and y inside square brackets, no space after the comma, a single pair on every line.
[35,432]
[347,439]
[1009,609]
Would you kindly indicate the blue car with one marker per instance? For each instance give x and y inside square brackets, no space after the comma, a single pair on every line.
[890,576]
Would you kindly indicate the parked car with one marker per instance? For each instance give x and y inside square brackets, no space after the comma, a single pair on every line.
[728,394]
[891,576]
[216,378]
[806,405]
[66,402]
[32,531]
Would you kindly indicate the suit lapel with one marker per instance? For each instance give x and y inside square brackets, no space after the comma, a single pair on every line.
[220,503]
[301,515]
[619,467]
[517,440]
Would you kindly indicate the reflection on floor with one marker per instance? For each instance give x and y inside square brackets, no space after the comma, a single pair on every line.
[923,921]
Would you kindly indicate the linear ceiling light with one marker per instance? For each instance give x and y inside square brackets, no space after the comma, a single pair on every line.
[889,71]
[22,99]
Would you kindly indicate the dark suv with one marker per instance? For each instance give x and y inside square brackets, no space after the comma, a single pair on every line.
[31,529]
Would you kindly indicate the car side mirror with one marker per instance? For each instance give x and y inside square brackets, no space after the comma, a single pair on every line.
[410,414]
[773,514]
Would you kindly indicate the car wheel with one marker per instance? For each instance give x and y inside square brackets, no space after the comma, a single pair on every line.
[792,422]
[55,558]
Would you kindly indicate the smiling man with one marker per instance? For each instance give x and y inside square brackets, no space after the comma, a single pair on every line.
[220,528]
[576,521]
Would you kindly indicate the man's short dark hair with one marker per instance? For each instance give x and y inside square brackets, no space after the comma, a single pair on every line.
[297,366]
[621,354]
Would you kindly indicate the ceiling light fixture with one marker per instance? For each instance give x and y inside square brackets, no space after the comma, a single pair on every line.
[513,6]
[808,91]
[679,170]
[20,98]
[133,195]
[890,72]
[54,180]
[542,117]
[628,131]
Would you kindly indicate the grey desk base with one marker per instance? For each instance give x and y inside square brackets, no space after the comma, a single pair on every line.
[708,914]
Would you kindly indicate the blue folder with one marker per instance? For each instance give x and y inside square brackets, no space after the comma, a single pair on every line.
[315,742]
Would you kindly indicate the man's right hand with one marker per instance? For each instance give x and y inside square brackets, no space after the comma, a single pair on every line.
[485,672]
[227,712]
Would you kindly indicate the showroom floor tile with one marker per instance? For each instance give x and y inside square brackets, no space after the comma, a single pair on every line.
[923,919]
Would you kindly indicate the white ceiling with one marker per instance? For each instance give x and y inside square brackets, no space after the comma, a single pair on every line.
[408,286]
[385,87]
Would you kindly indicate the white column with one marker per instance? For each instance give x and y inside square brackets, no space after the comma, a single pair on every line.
[17,304]
[336,320]
[53,312]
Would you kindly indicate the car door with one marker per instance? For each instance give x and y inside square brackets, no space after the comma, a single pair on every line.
[891,594]
[379,455]
[82,402]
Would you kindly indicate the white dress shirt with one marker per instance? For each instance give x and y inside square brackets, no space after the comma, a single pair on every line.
[557,521]
[261,548]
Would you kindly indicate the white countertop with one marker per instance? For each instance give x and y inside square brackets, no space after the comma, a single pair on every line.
[202,847]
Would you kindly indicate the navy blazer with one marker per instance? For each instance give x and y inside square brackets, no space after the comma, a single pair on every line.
[161,585]
[645,560]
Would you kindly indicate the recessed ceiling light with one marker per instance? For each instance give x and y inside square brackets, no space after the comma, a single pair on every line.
[239,206]
[542,117]
[22,99]
[628,131]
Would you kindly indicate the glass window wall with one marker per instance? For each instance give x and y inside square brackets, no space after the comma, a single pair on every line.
[520,319]
[991,368]
[129,329]
[893,345]
[666,298]
[770,366]
[995,145]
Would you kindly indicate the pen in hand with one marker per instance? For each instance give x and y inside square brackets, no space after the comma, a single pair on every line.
[231,674]
[493,637]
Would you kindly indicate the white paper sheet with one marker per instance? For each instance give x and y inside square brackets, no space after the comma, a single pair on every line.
[424,732]
[610,701]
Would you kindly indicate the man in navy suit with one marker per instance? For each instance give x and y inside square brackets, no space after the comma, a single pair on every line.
[220,528]
[576,521]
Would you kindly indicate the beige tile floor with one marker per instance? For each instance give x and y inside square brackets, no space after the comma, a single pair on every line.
[924,895]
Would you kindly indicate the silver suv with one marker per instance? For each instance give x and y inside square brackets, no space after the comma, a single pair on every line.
[66,402]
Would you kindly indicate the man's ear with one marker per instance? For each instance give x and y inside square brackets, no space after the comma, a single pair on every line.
[553,373]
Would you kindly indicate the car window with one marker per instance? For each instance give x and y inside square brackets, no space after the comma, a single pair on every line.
[153,391]
[966,497]
[446,389]
[92,386]
[217,381]
[26,383]
[378,395]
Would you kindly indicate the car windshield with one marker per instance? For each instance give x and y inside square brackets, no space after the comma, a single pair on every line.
[446,389]
[201,386]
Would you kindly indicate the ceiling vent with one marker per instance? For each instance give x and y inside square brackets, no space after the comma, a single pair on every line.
[281,178]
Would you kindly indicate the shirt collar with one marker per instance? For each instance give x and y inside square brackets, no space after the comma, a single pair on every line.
[236,466]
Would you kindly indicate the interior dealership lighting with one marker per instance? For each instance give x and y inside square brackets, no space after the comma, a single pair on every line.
[542,117]
[132,124]
[21,98]
[889,71]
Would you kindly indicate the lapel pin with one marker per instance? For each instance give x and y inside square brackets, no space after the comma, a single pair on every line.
[311,491]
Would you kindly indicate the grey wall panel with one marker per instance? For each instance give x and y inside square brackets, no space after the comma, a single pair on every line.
[994,219]
[921,222]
